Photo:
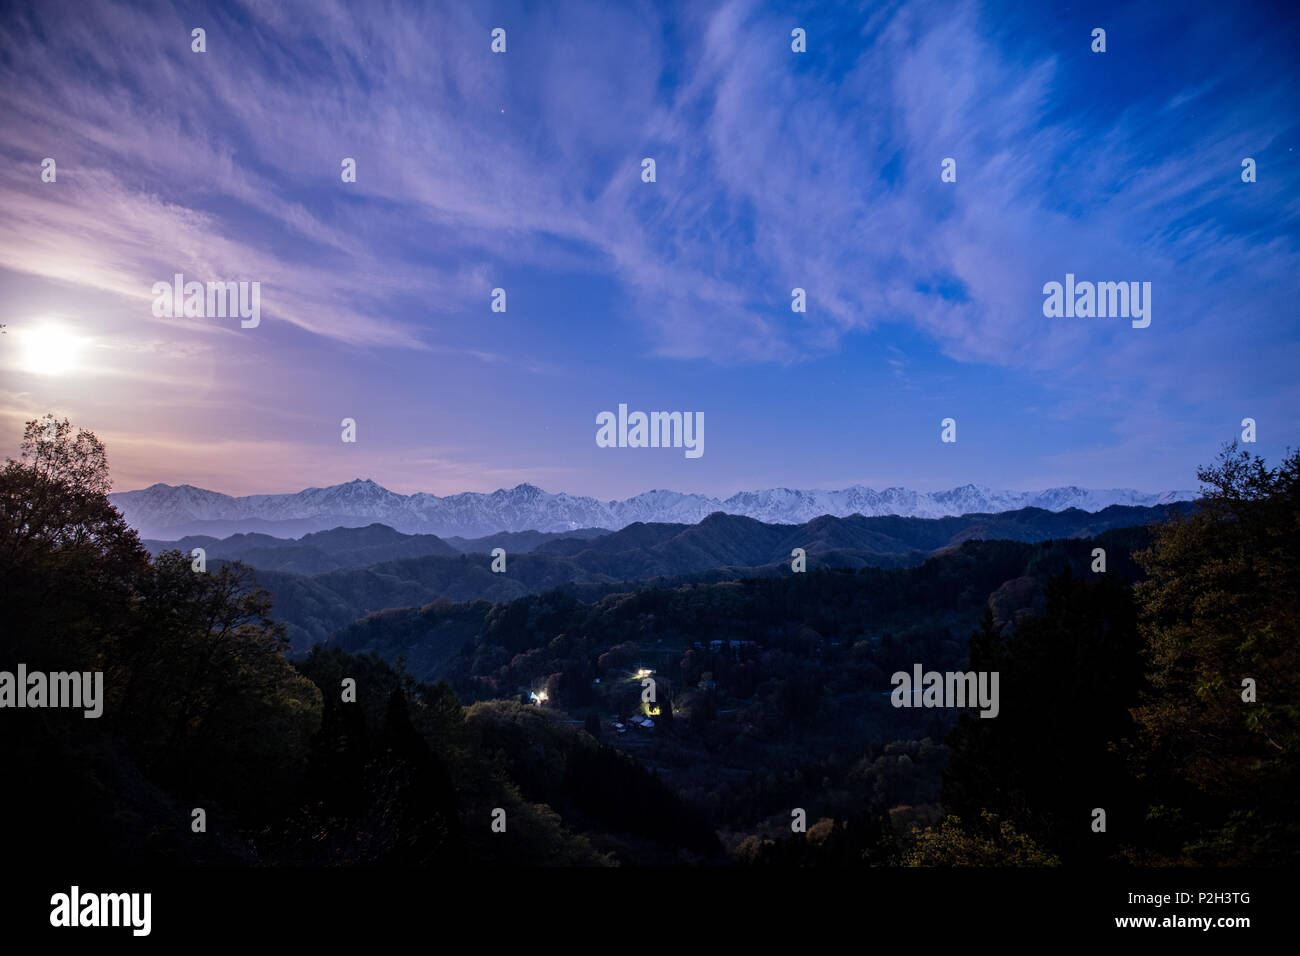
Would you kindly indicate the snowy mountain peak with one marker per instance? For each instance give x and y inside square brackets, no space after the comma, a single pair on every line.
[162,511]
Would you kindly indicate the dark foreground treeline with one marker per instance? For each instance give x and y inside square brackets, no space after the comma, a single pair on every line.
[1120,691]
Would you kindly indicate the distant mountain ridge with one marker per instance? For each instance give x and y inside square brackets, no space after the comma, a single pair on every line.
[323,581]
[322,551]
[167,511]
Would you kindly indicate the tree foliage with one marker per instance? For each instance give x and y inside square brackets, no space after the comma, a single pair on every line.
[990,842]
[1220,605]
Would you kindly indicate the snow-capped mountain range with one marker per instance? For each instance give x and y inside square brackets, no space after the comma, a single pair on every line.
[166,511]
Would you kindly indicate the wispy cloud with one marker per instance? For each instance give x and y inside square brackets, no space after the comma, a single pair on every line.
[775,171]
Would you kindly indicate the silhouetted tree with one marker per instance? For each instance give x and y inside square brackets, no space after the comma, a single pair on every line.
[1222,605]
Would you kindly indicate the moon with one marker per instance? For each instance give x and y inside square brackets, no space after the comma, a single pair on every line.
[50,350]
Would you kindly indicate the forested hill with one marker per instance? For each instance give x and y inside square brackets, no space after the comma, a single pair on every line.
[774,692]
[1164,697]
[341,547]
[858,624]
[422,569]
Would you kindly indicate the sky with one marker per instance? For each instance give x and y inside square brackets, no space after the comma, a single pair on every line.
[774,170]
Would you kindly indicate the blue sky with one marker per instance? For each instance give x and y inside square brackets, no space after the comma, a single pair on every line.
[522,170]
